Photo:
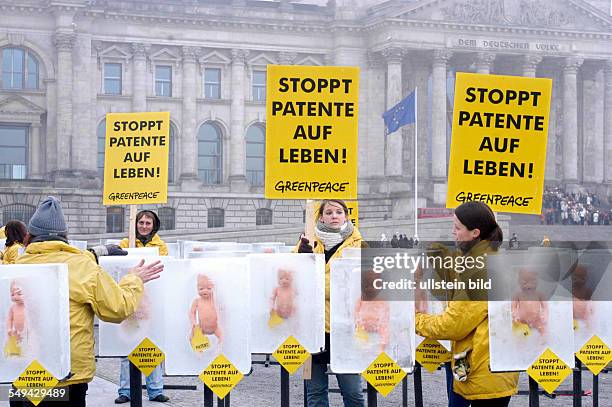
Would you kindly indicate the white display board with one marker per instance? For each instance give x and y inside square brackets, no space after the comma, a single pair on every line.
[219,254]
[287,298]
[142,251]
[267,247]
[34,319]
[174,250]
[361,330]
[535,314]
[147,321]
[80,244]
[206,303]
[196,246]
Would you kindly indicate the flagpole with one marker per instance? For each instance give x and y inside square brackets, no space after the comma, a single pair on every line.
[416,155]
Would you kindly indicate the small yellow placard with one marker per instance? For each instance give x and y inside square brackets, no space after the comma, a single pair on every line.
[146,356]
[291,355]
[35,383]
[549,371]
[221,376]
[136,153]
[595,354]
[431,354]
[383,374]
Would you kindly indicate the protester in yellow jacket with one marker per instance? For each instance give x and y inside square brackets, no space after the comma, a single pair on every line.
[333,233]
[92,291]
[465,320]
[147,226]
[15,236]
[2,233]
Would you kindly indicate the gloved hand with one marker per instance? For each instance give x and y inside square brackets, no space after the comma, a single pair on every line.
[108,250]
[305,246]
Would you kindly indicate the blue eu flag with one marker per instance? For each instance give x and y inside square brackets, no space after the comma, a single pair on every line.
[400,114]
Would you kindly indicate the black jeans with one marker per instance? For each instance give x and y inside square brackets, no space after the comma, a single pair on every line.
[76,394]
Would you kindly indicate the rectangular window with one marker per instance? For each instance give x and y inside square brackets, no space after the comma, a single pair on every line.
[112,79]
[13,152]
[259,85]
[212,83]
[163,80]
[12,68]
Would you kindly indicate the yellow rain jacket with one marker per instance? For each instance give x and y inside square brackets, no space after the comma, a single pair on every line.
[354,240]
[11,253]
[155,242]
[466,324]
[92,291]
[2,233]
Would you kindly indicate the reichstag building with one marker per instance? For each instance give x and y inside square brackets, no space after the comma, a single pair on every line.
[65,64]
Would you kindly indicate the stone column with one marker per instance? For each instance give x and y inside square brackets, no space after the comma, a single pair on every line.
[393,148]
[375,102]
[35,156]
[189,133]
[530,65]
[139,78]
[608,121]
[570,120]
[438,125]
[484,61]
[237,132]
[593,123]
[64,42]
[50,162]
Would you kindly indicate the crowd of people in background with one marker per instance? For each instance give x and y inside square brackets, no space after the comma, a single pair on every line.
[563,208]
[398,241]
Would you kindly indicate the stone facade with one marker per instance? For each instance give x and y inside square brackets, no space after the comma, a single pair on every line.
[398,46]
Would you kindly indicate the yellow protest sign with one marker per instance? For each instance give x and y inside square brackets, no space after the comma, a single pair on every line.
[35,383]
[498,146]
[221,376]
[311,132]
[136,158]
[595,355]
[146,356]
[291,354]
[431,354]
[549,371]
[383,374]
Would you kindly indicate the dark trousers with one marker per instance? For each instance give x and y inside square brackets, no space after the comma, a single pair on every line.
[76,392]
[455,400]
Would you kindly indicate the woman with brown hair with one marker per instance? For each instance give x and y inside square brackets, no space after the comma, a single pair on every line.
[15,235]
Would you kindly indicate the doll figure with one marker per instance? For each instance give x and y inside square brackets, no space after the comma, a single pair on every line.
[16,324]
[529,308]
[203,316]
[139,318]
[581,295]
[371,316]
[282,301]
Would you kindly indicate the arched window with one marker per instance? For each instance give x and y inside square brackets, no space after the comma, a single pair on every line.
[209,153]
[17,211]
[216,217]
[101,144]
[166,218]
[263,216]
[255,154]
[19,69]
[115,216]
[171,152]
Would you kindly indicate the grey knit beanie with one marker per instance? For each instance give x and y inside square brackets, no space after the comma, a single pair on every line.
[48,220]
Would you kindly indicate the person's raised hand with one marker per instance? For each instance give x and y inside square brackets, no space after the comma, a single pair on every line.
[147,272]
[305,246]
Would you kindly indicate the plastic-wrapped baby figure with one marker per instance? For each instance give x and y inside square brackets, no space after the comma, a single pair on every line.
[371,316]
[16,324]
[529,307]
[203,316]
[282,301]
[581,293]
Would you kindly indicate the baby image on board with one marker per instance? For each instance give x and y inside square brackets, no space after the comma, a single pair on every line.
[529,307]
[203,315]
[16,323]
[581,297]
[371,316]
[282,301]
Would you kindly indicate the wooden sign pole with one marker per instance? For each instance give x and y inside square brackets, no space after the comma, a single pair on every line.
[309,232]
[132,228]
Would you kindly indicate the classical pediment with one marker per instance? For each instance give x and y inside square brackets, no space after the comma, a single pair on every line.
[164,54]
[309,61]
[261,59]
[16,104]
[114,52]
[214,57]
[560,14]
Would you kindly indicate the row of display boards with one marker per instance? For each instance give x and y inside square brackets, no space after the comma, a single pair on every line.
[216,304]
